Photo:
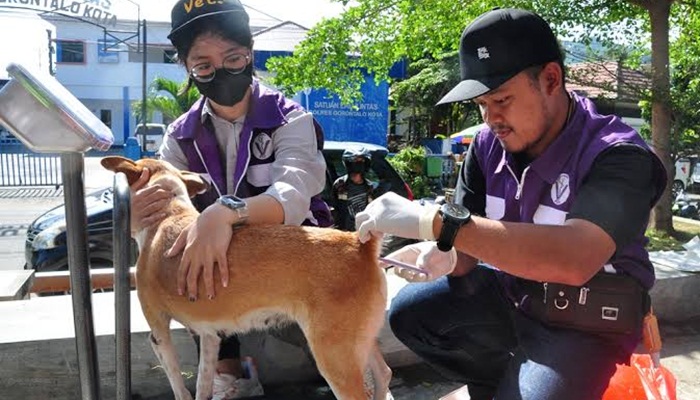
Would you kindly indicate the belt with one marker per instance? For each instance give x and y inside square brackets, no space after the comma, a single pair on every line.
[608,303]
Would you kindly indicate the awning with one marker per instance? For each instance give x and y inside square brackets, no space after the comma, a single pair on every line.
[467,135]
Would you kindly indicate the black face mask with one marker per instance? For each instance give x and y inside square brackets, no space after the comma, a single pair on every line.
[227,89]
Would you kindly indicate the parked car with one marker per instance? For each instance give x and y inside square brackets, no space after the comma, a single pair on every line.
[695,179]
[152,135]
[46,248]
[687,175]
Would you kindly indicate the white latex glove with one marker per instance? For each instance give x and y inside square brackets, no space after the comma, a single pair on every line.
[396,215]
[426,256]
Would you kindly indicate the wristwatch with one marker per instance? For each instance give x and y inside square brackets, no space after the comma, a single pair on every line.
[236,204]
[454,216]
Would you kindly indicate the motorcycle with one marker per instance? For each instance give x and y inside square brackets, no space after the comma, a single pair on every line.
[686,207]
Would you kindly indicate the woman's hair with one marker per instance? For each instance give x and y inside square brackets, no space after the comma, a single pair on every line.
[229,26]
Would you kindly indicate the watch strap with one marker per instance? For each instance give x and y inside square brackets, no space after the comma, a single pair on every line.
[448,233]
[453,218]
[237,205]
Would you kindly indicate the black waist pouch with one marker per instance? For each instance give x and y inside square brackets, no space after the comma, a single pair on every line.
[608,303]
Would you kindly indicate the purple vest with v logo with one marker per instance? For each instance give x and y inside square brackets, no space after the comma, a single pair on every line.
[267,112]
[548,187]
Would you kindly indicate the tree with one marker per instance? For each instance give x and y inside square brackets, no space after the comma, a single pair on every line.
[685,87]
[428,80]
[168,97]
[373,34]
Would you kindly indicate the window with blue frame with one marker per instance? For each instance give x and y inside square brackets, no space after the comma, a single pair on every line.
[70,52]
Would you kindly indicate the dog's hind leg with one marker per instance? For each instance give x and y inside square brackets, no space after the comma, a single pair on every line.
[208,352]
[162,344]
[381,374]
[341,358]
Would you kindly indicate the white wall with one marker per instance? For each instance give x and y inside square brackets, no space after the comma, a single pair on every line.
[112,86]
[31,49]
[101,85]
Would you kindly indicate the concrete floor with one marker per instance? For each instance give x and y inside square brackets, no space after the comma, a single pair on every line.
[681,352]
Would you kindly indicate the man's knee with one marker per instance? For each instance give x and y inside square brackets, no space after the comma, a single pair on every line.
[412,323]
[402,321]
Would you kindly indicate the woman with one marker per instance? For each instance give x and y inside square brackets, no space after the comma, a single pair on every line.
[260,152]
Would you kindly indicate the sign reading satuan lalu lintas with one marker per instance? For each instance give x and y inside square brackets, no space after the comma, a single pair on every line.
[97,11]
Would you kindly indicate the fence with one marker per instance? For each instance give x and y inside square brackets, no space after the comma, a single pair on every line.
[19,166]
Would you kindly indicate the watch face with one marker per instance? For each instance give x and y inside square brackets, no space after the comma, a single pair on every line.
[232,202]
[456,211]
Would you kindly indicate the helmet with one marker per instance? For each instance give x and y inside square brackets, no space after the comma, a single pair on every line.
[357,160]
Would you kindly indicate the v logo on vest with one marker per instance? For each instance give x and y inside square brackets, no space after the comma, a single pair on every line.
[262,146]
[561,190]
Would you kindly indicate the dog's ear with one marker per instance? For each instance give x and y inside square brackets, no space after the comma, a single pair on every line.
[125,165]
[194,183]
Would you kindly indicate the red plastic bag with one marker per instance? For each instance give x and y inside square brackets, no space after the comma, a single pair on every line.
[641,381]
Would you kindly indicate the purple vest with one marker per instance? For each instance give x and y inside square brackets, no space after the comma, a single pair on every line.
[267,112]
[550,184]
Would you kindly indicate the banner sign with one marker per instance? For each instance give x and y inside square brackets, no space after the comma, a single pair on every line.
[96,11]
[367,122]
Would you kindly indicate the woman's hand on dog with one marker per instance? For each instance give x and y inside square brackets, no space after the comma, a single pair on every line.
[203,244]
[147,203]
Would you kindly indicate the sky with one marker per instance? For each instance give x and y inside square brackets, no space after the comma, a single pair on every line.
[304,12]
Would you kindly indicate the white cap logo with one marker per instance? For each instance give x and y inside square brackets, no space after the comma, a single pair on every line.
[483,53]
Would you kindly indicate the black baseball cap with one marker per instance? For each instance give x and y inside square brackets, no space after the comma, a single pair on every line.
[498,45]
[187,11]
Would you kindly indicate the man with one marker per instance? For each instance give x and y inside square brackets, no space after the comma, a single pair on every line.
[559,198]
[352,191]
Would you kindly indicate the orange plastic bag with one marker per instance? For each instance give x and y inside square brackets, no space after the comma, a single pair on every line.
[641,381]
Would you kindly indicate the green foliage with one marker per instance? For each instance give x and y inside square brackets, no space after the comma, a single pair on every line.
[376,34]
[683,232]
[429,79]
[685,84]
[409,163]
[662,241]
[371,35]
[167,97]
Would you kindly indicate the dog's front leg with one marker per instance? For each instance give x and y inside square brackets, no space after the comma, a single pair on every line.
[208,354]
[162,345]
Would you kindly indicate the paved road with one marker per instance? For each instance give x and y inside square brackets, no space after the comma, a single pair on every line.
[15,215]
[20,206]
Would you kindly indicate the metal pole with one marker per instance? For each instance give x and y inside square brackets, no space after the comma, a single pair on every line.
[122,286]
[144,85]
[72,167]
[51,52]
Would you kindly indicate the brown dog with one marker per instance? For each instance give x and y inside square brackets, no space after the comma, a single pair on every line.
[323,279]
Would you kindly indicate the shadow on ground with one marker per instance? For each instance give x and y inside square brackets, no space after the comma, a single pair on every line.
[415,382]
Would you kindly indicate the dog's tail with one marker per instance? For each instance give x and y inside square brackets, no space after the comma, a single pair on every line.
[372,247]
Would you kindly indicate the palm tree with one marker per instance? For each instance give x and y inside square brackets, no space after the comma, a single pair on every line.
[168,97]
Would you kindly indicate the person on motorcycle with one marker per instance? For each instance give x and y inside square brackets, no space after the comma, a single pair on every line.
[352,192]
